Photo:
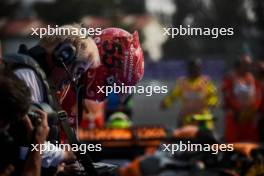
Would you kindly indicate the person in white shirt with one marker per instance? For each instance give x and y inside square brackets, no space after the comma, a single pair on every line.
[60,67]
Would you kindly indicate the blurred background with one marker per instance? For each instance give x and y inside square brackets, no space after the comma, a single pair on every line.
[164,57]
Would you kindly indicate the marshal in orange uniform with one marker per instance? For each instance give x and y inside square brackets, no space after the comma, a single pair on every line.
[242,99]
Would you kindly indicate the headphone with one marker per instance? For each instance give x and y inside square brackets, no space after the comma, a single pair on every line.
[64,54]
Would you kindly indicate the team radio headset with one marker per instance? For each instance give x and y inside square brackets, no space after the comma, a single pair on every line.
[65,54]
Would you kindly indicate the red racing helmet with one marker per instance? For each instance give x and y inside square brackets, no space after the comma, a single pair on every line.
[122,62]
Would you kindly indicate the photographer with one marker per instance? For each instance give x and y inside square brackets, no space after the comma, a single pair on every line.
[15,102]
[54,62]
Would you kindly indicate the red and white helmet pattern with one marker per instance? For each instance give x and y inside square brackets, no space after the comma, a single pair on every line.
[122,62]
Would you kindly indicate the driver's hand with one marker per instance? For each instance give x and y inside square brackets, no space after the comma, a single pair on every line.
[69,156]
[69,169]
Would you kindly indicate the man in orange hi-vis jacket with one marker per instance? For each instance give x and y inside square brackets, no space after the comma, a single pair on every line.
[242,99]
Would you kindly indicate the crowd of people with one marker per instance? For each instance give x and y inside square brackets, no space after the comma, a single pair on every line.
[240,95]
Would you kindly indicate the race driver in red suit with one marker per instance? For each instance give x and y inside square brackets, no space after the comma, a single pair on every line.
[122,63]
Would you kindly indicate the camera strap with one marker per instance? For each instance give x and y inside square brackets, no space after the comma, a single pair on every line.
[84,159]
[79,96]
